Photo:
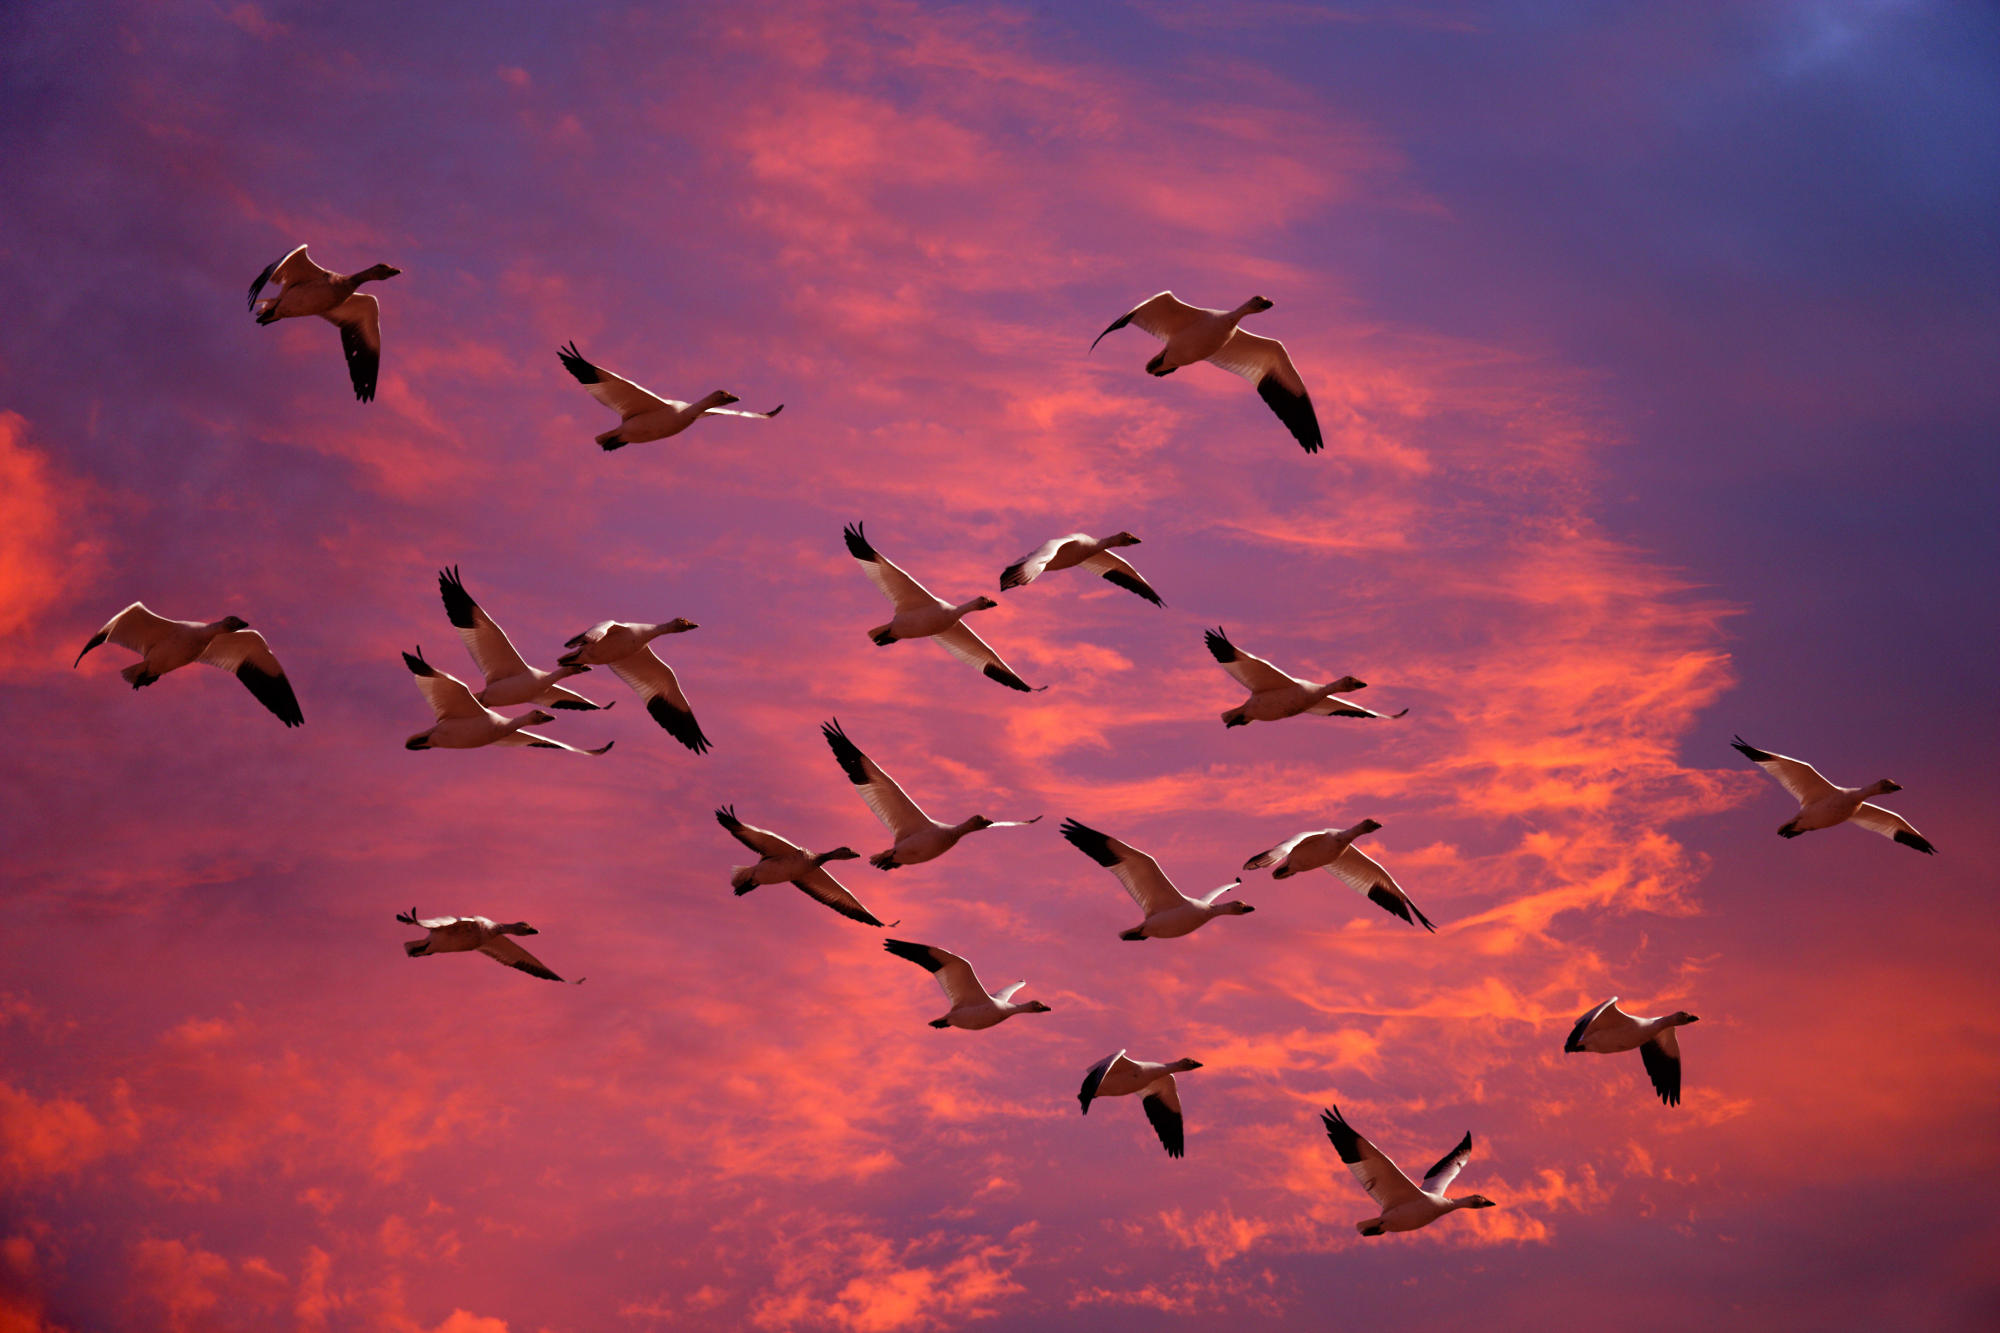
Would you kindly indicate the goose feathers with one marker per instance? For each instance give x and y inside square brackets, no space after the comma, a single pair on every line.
[228,644]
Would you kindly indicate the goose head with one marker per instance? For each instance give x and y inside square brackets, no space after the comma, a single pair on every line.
[538,718]
[1034,1007]
[1182,1066]
[1346,683]
[515,928]
[982,604]
[420,741]
[1682,1018]
[978,822]
[1121,539]
[1256,305]
[1883,787]
[1476,1201]
[678,625]
[837,854]
[231,624]
[724,398]
[1367,826]
[564,670]
[376,273]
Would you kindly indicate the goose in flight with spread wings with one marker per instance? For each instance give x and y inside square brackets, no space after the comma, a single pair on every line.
[1169,912]
[1405,1206]
[1080,548]
[971,1007]
[463,934]
[463,723]
[307,289]
[1822,804]
[782,862]
[643,415]
[1117,1076]
[1275,695]
[229,643]
[1333,850]
[627,650]
[920,615]
[510,681]
[1194,333]
[1607,1029]
[918,837]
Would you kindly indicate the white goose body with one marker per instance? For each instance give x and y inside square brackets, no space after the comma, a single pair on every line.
[783,862]
[972,1007]
[918,837]
[228,644]
[1117,1076]
[1080,548]
[464,934]
[1609,1030]
[509,681]
[307,289]
[1195,333]
[463,723]
[644,415]
[611,641]
[1405,1206]
[1275,695]
[1169,912]
[1823,804]
[1333,850]
[921,615]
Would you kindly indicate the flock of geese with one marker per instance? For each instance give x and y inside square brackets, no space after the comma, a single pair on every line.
[465,718]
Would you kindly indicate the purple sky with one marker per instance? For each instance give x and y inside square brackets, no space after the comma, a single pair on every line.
[1654,347]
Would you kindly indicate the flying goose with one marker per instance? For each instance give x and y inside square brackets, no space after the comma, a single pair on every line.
[919,615]
[971,1007]
[782,862]
[1333,850]
[1080,548]
[1116,1076]
[1168,911]
[643,415]
[307,289]
[1194,333]
[1405,1207]
[1607,1029]
[626,649]
[463,934]
[463,723]
[918,837]
[510,681]
[1822,805]
[1275,695]
[166,645]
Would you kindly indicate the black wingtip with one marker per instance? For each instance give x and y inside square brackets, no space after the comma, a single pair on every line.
[573,362]
[994,671]
[1095,845]
[1750,752]
[681,726]
[856,536]
[458,603]
[845,752]
[1219,646]
[417,665]
[1916,840]
[920,954]
[1345,1141]
[1112,327]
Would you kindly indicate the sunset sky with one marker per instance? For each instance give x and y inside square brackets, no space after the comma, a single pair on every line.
[1655,351]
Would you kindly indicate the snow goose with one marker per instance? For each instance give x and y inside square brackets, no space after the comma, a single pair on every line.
[307,289]
[642,415]
[920,615]
[1607,1029]
[463,723]
[1333,851]
[463,934]
[782,862]
[229,643]
[510,681]
[971,1007]
[1194,333]
[626,649]
[1169,912]
[1116,1076]
[1080,548]
[1275,695]
[1405,1207]
[918,837]
[1822,804]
